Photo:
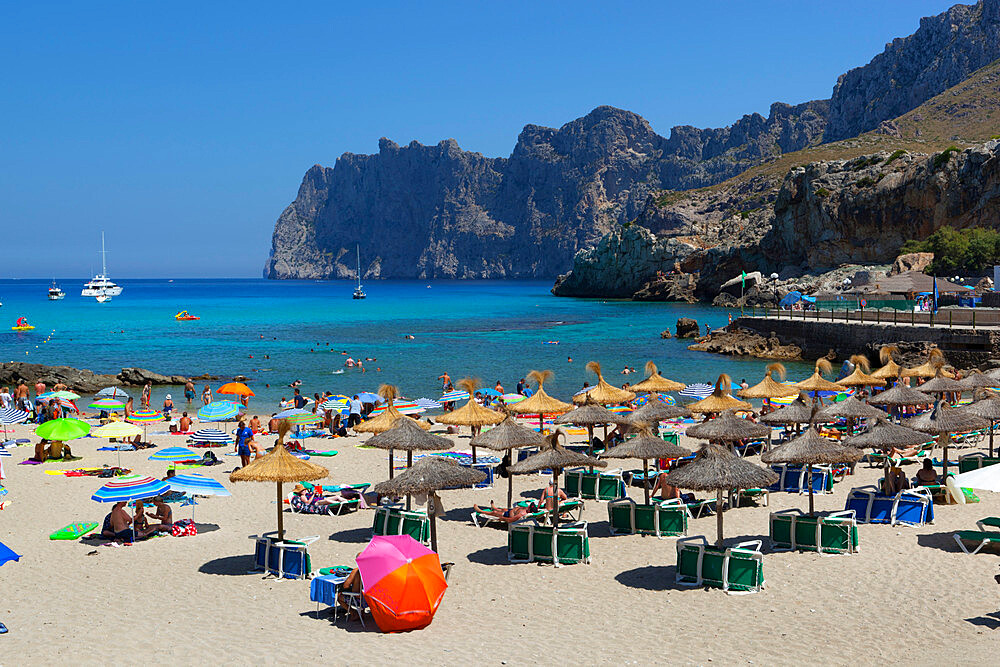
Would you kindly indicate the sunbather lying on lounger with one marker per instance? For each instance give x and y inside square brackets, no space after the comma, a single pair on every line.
[904,452]
[667,492]
[507,515]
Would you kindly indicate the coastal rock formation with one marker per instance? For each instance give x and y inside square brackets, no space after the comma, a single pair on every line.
[742,342]
[81,380]
[687,328]
[911,261]
[943,51]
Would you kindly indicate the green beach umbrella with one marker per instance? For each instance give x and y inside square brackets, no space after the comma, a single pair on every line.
[63,429]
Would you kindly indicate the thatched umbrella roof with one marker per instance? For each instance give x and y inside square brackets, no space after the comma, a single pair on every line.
[928,369]
[768,387]
[645,446]
[279,466]
[431,473]
[727,428]
[993,373]
[798,411]
[944,419]
[655,382]
[602,392]
[977,380]
[387,419]
[810,448]
[715,468]
[553,456]
[941,384]
[539,403]
[901,395]
[883,434]
[471,414]
[407,435]
[890,369]
[720,400]
[987,408]
[849,408]
[859,377]
[816,382]
[591,413]
[508,435]
[657,411]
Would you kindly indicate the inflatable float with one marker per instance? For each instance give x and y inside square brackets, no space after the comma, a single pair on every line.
[21,325]
[185,316]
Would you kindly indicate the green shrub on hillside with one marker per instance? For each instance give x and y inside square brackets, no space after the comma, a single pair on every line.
[865,182]
[822,192]
[941,159]
[895,156]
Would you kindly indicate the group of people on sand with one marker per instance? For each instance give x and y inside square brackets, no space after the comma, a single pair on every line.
[121,526]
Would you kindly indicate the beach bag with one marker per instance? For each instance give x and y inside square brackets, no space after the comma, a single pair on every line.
[183,528]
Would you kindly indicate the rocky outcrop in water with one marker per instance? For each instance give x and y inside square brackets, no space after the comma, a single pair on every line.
[81,380]
[745,343]
[943,51]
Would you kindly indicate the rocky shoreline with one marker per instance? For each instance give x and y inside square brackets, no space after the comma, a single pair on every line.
[741,342]
[87,381]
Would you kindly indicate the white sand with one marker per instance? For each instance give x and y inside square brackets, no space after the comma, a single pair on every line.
[909,595]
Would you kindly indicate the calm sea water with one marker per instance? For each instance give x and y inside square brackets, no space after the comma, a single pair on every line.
[489,329]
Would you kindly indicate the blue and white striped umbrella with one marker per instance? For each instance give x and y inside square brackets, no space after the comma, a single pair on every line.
[12,416]
[113,392]
[218,411]
[291,411]
[369,397]
[197,485]
[130,487]
[453,396]
[175,454]
[210,435]
[336,406]
[4,452]
[697,390]
[429,403]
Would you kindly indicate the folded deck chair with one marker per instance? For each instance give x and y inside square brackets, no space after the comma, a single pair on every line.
[393,520]
[736,570]
[528,542]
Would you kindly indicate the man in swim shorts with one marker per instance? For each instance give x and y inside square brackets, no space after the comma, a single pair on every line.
[189,391]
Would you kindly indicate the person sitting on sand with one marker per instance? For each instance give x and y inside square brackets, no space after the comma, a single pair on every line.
[59,450]
[351,585]
[667,492]
[163,517]
[168,406]
[511,515]
[255,424]
[926,475]
[185,423]
[41,451]
[895,481]
[548,496]
[121,523]
[273,424]
[140,524]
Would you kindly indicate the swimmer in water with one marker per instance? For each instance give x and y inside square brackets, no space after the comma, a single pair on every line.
[569,360]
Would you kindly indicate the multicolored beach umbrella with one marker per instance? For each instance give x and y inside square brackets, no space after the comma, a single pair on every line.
[145,416]
[303,419]
[210,435]
[68,395]
[336,405]
[175,454]
[403,407]
[454,396]
[427,403]
[197,485]
[12,416]
[218,411]
[510,399]
[63,429]
[106,403]
[402,581]
[284,414]
[130,487]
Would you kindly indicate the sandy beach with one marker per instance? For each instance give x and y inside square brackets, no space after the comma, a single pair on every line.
[908,596]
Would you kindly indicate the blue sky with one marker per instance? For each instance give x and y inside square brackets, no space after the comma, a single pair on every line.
[183,129]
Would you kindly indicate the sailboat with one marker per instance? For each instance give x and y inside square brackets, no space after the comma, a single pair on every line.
[359,293]
[100,285]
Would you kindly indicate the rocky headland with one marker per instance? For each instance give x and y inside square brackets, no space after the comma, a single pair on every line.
[83,380]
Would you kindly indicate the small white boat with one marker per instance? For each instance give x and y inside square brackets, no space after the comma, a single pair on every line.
[103,297]
[359,293]
[55,293]
[100,284]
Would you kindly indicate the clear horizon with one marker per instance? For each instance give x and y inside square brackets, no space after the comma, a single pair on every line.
[183,131]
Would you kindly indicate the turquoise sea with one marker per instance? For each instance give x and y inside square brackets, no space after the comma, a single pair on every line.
[487,329]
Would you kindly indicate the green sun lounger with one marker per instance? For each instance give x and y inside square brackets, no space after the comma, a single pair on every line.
[664,519]
[751,495]
[607,485]
[990,523]
[528,542]
[979,538]
[975,461]
[737,570]
[392,520]
[834,533]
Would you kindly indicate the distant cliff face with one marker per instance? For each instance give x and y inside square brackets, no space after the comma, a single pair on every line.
[945,50]
[438,211]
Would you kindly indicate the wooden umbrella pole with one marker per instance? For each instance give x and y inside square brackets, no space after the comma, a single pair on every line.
[645,478]
[992,424]
[281,516]
[390,463]
[510,489]
[809,481]
[555,499]
[473,453]
[409,463]
[718,517]
[432,510]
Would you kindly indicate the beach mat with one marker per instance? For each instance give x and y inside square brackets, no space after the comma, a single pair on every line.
[73,531]
[313,452]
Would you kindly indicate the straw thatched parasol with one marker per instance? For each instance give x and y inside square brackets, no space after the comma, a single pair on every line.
[979,380]
[816,382]
[928,369]
[901,395]
[987,408]
[942,384]
[603,392]
[386,420]
[539,403]
[656,383]
[859,377]
[429,476]
[645,446]
[279,466]
[590,414]
[890,369]
[555,457]
[942,421]
[406,434]
[509,435]
[797,412]
[768,387]
[884,435]
[471,414]
[850,409]
[727,427]
[715,468]
[655,411]
[811,449]
[720,400]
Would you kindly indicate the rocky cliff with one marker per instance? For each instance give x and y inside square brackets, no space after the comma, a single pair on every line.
[943,51]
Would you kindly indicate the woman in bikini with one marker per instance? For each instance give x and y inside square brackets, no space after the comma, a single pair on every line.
[507,515]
